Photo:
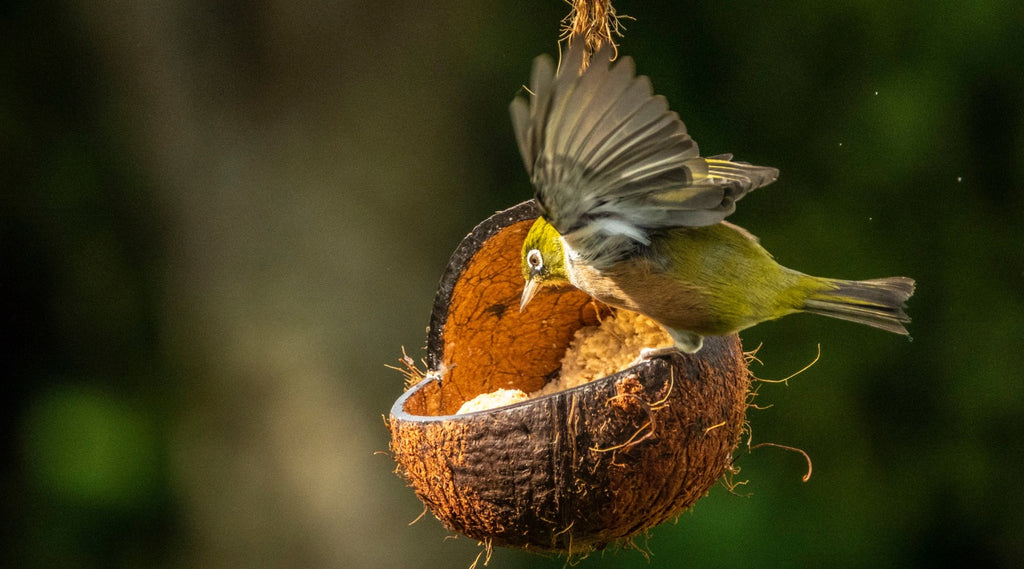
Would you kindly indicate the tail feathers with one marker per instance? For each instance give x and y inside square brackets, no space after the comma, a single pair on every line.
[876,302]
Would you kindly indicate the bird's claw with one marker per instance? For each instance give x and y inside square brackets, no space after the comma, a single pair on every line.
[648,354]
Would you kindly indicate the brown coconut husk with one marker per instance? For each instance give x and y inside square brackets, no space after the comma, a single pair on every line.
[576,469]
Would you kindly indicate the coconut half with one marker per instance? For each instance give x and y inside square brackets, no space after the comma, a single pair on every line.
[570,466]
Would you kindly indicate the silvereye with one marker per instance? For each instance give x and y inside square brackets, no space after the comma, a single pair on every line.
[632,215]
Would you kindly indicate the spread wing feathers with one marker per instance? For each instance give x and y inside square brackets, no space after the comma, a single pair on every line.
[610,162]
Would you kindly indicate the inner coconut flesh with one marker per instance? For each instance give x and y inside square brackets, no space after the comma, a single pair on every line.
[595,352]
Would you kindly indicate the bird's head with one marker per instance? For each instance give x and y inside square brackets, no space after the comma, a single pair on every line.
[543,260]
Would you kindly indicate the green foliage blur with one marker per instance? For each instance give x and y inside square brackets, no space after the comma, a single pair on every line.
[220,220]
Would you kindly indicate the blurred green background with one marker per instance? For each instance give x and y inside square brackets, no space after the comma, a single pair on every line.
[219,221]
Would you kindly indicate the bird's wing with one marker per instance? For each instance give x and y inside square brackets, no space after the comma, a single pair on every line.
[610,162]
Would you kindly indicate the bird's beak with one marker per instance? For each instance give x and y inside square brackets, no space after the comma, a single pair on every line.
[529,291]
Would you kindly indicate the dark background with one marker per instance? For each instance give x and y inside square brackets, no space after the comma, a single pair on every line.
[219,221]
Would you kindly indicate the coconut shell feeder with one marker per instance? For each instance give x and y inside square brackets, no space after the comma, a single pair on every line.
[574,470]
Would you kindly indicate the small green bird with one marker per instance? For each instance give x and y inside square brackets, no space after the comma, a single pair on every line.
[632,215]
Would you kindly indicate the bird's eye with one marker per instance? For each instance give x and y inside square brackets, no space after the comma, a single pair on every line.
[534,259]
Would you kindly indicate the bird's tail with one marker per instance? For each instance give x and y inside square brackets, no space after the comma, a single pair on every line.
[876,302]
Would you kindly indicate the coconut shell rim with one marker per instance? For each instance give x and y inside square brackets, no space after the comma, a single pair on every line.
[650,368]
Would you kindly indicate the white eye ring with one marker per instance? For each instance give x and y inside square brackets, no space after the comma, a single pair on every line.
[534,259]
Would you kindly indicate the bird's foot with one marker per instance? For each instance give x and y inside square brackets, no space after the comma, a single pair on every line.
[648,354]
[683,342]
[686,342]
